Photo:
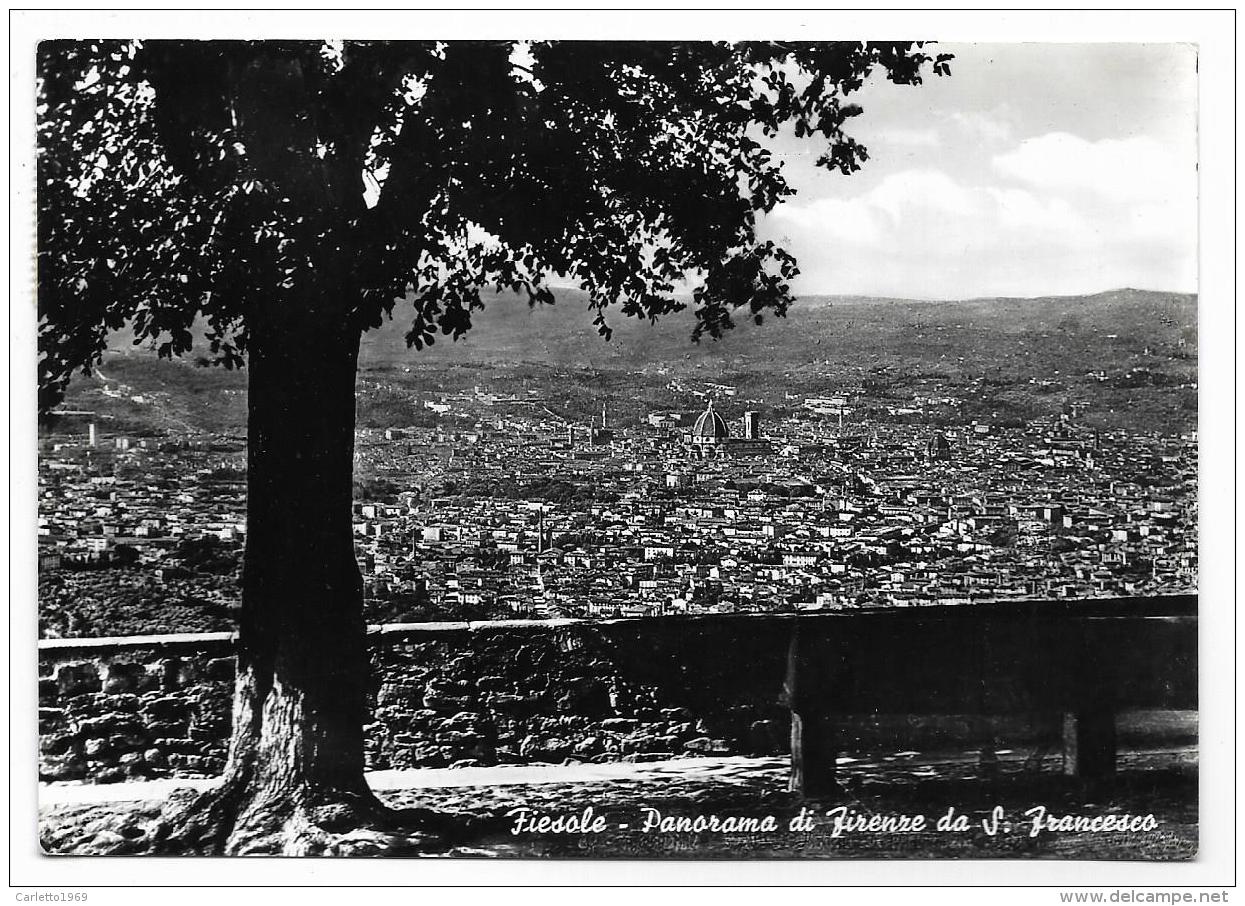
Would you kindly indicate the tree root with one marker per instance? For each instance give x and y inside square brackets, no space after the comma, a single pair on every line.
[342,825]
[234,820]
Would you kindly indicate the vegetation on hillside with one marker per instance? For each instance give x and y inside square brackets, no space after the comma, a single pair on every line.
[1126,358]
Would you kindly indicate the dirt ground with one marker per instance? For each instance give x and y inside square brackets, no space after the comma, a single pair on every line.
[744,811]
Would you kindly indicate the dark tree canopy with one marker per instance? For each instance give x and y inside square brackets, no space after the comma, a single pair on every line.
[192,180]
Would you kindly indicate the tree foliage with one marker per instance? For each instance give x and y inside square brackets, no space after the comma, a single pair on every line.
[183,181]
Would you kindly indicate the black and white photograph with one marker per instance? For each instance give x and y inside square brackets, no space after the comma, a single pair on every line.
[764,448]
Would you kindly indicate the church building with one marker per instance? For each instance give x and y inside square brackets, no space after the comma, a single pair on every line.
[710,436]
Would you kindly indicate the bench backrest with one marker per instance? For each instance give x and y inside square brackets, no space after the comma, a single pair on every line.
[999,659]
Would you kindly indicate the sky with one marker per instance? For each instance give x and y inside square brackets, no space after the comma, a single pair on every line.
[1034,169]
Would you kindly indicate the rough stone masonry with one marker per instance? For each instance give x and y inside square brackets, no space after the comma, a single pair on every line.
[444,694]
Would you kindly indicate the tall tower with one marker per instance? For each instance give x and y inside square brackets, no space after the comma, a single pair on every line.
[752,425]
[604,423]
[90,435]
[540,533]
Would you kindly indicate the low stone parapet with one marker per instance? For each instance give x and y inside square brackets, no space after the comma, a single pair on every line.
[114,709]
[443,694]
[548,691]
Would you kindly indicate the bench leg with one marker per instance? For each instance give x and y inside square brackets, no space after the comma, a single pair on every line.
[814,749]
[808,691]
[987,761]
[1089,743]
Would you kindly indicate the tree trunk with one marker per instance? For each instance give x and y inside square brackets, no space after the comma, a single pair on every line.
[294,781]
[301,703]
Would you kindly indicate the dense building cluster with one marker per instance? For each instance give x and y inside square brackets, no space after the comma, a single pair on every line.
[520,514]
[139,535]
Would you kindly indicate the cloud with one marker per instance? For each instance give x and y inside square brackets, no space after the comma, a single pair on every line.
[987,128]
[1030,227]
[929,208]
[1138,169]
[910,138]
[1037,169]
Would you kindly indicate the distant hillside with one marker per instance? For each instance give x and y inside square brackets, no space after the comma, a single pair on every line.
[1140,346]
[816,328]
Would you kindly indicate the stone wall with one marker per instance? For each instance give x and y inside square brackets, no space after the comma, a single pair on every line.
[127,708]
[443,695]
[516,692]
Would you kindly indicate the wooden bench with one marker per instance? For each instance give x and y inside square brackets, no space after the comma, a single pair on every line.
[1086,660]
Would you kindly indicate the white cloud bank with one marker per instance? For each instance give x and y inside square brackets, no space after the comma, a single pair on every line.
[1121,170]
[1054,214]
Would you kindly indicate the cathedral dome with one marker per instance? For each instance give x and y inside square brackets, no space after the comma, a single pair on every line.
[710,426]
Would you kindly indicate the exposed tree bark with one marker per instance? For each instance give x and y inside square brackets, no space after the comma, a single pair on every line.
[294,782]
[301,698]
